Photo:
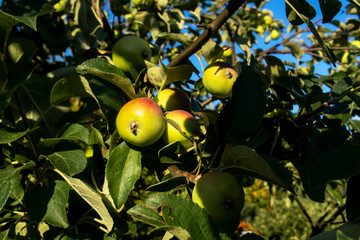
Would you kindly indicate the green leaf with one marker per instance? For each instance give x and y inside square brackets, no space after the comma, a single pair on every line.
[56,208]
[8,135]
[7,177]
[252,164]
[70,162]
[296,49]
[342,85]
[340,163]
[162,210]
[351,230]
[123,169]
[74,86]
[92,197]
[299,7]
[168,184]
[149,21]
[306,19]
[8,20]
[274,68]
[242,115]
[211,51]
[329,9]
[100,67]
[181,38]
[353,199]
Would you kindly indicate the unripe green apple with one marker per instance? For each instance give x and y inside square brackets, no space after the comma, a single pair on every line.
[187,124]
[222,196]
[140,122]
[260,29]
[172,99]
[218,79]
[131,51]
[274,34]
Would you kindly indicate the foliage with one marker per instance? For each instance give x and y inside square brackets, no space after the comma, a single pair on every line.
[65,173]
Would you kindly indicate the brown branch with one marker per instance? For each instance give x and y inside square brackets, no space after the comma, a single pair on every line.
[208,32]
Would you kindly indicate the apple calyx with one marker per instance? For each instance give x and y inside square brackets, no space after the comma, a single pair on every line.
[134,127]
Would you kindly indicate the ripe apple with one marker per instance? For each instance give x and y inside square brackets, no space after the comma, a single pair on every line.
[222,196]
[131,51]
[218,79]
[187,124]
[172,99]
[140,122]
[274,34]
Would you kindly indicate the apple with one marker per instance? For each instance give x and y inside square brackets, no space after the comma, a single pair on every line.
[187,123]
[227,51]
[140,122]
[131,52]
[222,196]
[218,79]
[274,34]
[268,19]
[172,99]
[260,29]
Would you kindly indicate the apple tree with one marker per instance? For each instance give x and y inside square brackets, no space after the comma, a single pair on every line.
[142,119]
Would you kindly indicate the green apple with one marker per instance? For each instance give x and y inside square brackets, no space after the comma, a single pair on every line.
[260,30]
[187,123]
[222,196]
[131,52]
[172,99]
[218,79]
[274,34]
[140,122]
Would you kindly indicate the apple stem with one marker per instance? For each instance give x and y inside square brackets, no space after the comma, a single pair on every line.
[133,127]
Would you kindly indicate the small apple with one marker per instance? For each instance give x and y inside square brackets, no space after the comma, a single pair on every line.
[172,99]
[131,51]
[222,196]
[274,34]
[260,30]
[187,124]
[218,79]
[227,51]
[268,19]
[140,122]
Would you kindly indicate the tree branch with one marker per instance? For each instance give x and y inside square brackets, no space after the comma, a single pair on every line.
[209,31]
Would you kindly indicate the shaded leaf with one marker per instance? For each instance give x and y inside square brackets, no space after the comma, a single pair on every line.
[353,199]
[8,135]
[296,7]
[123,169]
[167,184]
[181,38]
[329,9]
[246,159]
[350,229]
[242,115]
[70,162]
[93,198]
[340,163]
[211,51]
[100,67]
[162,210]
[149,21]
[56,208]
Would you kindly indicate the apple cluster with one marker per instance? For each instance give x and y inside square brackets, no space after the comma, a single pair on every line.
[141,121]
